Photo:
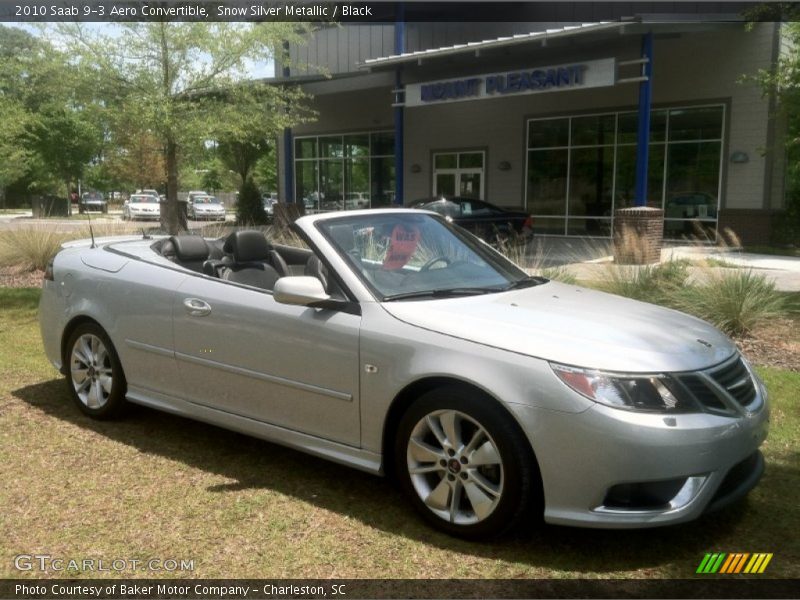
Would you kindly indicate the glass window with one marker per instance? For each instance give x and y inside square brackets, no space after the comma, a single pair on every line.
[382,181]
[445,184]
[343,172]
[445,161]
[625,182]
[599,154]
[356,183]
[331,179]
[548,133]
[331,147]
[305,148]
[591,179]
[695,123]
[547,181]
[549,225]
[593,130]
[470,160]
[589,227]
[383,143]
[356,145]
[306,183]
[693,168]
[628,127]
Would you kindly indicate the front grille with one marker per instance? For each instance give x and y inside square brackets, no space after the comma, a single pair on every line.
[732,376]
[736,379]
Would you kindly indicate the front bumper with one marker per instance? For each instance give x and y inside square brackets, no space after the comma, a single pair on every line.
[703,461]
[199,216]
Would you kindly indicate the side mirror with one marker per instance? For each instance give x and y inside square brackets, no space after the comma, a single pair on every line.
[299,290]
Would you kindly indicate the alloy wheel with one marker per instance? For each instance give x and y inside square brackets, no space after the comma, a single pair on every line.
[91,371]
[455,467]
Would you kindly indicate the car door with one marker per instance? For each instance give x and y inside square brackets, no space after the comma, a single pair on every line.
[241,352]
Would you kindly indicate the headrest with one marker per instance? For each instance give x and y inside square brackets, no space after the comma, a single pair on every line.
[247,246]
[189,247]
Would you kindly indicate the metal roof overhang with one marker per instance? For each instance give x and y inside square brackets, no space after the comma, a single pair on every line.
[586,32]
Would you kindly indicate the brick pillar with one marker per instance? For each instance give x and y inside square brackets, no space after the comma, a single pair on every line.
[638,235]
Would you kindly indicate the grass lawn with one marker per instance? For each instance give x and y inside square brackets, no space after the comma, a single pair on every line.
[155,485]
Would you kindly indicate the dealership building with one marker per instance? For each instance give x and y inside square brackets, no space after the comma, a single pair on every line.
[544,117]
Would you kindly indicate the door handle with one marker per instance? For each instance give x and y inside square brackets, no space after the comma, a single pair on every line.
[196,307]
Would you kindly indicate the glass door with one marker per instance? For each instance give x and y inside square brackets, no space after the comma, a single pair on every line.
[459,174]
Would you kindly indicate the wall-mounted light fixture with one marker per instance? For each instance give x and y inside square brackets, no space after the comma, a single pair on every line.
[738,156]
[504,165]
[415,168]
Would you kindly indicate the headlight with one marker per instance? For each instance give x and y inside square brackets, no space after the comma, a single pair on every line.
[655,393]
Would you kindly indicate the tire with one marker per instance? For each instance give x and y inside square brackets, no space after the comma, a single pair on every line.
[465,465]
[90,357]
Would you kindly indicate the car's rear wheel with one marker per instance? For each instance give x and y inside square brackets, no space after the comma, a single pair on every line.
[465,464]
[94,374]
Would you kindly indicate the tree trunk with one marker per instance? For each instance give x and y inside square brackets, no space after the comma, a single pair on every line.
[172,217]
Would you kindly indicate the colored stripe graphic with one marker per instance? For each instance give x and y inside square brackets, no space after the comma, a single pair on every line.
[734,563]
[711,563]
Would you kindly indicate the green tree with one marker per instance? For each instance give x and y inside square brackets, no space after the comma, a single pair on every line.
[250,209]
[48,117]
[783,83]
[188,82]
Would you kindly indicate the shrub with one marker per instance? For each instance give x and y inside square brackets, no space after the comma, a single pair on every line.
[530,256]
[30,248]
[250,209]
[733,300]
[649,283]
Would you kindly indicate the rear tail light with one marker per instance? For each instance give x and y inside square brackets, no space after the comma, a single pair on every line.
[528,224]
[48,271]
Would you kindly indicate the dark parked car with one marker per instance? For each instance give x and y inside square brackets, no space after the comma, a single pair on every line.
[92,201]
[487,221]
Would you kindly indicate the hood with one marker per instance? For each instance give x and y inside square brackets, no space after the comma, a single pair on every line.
[574,326]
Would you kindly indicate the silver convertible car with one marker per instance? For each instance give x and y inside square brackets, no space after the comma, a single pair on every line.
[400,344]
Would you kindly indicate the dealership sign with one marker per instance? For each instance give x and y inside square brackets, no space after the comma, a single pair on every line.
[579,75]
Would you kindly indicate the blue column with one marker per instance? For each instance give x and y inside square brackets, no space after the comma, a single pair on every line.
[399,48]
[643,138]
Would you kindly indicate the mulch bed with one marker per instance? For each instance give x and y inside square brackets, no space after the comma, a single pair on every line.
[15,278]
[767,345]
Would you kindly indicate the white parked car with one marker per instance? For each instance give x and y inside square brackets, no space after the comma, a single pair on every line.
[205,207]
[141,207]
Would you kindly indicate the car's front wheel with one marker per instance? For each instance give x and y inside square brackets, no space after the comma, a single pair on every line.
[95,378]
[465,464]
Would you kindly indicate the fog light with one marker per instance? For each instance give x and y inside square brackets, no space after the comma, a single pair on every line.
[653,495]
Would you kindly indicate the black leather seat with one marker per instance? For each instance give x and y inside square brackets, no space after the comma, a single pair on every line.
[252,260]
[191,251]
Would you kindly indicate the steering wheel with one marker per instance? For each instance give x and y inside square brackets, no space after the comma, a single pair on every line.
[436,259]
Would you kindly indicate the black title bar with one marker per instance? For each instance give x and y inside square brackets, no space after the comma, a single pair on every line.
[261,589]
[120,11]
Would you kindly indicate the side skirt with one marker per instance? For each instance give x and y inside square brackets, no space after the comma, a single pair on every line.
[339,453]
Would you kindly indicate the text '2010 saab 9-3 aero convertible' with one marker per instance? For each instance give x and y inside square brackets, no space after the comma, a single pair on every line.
[399,344]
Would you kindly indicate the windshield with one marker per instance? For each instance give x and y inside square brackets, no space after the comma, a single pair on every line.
[143,199]
[205,200]
[405,256]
